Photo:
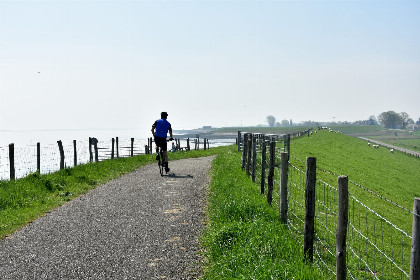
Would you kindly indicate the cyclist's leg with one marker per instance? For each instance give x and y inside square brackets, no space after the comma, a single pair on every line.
[165,155]
[158,142]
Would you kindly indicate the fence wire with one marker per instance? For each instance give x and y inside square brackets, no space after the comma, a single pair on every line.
[25,157]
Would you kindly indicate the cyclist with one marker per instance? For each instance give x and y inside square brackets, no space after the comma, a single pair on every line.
[160,131]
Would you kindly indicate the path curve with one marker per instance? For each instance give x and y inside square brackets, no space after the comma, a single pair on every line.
[139,226]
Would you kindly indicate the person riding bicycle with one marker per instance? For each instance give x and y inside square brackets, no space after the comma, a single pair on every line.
[160,131]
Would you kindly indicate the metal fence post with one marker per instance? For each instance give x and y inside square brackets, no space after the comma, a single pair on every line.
[309,231]
[342,220]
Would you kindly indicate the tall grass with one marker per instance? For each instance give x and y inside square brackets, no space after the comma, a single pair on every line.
[244,238]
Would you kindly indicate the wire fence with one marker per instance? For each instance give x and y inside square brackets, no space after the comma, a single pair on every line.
[26,158]
[376,247]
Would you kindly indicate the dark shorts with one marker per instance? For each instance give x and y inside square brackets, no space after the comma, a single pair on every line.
[161,142]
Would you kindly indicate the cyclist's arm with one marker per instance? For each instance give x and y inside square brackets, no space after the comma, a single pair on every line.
[170,132]
[153,129]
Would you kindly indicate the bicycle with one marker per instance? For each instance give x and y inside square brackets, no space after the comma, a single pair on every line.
[160,158]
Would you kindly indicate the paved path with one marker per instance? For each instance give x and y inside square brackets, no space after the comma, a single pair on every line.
[406,151]
[140,226]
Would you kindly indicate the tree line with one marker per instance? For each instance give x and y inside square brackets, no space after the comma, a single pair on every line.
[388,119]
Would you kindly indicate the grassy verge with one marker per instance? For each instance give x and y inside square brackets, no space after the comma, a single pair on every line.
[26,199]
[244,238]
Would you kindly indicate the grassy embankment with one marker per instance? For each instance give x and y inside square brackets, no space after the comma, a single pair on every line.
[392,176]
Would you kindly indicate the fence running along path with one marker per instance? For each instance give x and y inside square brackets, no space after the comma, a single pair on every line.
[339,232]
[17,162]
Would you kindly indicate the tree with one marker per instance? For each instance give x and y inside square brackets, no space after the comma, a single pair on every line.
[418,122]
[405,119]
[271,121]
[285,123]
[372,120]
[390,119]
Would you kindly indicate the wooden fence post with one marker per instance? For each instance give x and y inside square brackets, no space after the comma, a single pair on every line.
[112,148]
[342,220]
[284,177]
[204,139]
[75,152]
[309,231]
[38,157]
[90,150]
[60,147]
[248,156]
[271,171]
[288,146]
[415,242]
[239,141]
[132,147]
[263,165]
[12,161]
[244,151]
[116,147]
[95,147]
[254,156]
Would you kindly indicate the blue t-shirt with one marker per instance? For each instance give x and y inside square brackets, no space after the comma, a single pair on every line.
[162,127]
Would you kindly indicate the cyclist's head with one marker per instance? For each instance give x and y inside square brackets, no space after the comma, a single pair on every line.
[163,115]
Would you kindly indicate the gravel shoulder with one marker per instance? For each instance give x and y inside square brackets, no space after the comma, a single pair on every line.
[139,226]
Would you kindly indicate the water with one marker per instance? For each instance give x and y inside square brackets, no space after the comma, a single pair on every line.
[25,147]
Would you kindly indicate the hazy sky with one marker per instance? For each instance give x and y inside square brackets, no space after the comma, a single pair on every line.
[118,64]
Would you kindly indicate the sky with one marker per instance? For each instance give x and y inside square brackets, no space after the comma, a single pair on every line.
[118,64]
